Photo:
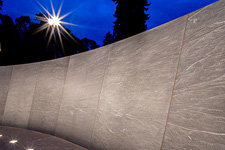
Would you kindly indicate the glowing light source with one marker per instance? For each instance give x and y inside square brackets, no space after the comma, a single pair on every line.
[13,141]
[30,149]
[50,21]
[0,135]
[54,22]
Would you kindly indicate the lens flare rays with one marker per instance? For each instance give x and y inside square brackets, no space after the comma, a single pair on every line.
[52,23]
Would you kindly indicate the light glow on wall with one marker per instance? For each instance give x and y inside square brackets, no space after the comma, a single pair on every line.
[13,141]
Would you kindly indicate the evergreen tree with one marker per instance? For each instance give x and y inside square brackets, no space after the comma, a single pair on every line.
[109,38]
[130,18]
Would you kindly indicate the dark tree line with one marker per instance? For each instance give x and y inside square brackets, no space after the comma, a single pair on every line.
[130,19]
[20,45]
[1,3]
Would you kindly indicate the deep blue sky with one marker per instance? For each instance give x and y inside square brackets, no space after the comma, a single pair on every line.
[95,17]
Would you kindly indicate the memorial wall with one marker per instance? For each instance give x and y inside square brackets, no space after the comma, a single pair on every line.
[160,89]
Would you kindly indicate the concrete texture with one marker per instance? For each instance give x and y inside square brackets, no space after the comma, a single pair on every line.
[81,95]
[137,88]
[48,95]
[5,77]
[20,95]
[197,116]
[161,89]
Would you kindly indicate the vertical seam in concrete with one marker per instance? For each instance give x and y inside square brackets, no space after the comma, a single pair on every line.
[39,67]
[182,45]
[106,66]
[7,95]
[62,95]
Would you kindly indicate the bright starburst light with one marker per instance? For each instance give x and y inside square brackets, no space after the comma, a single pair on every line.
[54,23]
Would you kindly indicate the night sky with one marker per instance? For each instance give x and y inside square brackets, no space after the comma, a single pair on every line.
[95,17]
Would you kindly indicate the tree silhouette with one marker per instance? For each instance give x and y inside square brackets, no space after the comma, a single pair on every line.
[109,38]
[90,44]
[8,39]
[130,18]
[20,43]
[7,27]
[23,23]
[1,3]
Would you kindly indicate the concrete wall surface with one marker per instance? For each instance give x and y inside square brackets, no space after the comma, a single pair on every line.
[161,89]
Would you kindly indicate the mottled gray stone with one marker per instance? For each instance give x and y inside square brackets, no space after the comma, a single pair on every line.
[81,96]
[20,95]
[48,95]
[137,88]
[197,116]
[117,97]
[5,77]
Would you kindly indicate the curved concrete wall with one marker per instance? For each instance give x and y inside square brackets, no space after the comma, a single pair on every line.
[161,89]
